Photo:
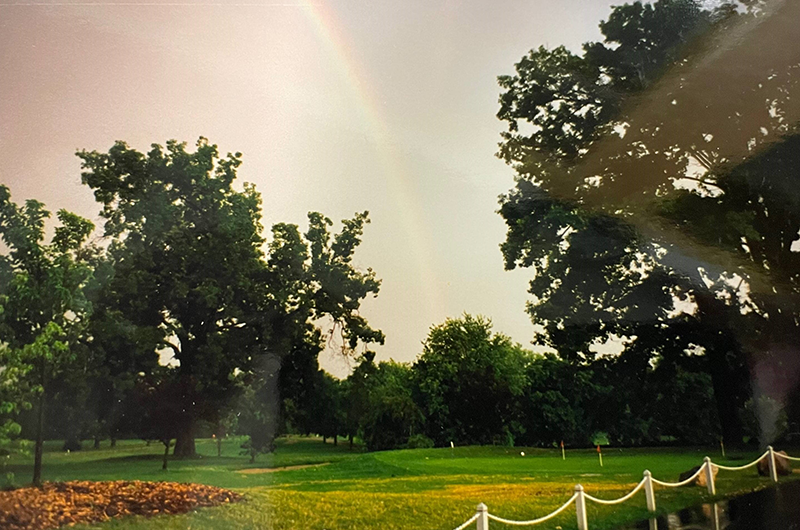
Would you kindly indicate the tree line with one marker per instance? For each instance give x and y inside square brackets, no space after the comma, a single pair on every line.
[471,385]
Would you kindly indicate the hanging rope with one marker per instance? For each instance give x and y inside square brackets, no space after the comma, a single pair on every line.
[682,483]
[617,501]
[535,521]
[469,522]
[739,468]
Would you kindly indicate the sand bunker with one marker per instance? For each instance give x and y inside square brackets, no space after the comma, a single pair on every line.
[259,470]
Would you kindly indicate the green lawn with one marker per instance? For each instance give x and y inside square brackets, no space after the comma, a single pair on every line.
[409,489]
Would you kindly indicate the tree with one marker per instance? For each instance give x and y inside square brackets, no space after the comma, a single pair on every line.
[120,351]
[187,258]
[159,408]
[189,275]
[391,417]
[755,216]
[612,129]
[357,389]
[314,297]
[327,411]
[467,380]
[43,309]
[559,403]
[257,409]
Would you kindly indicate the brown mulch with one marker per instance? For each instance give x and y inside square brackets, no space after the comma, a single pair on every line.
[65,503]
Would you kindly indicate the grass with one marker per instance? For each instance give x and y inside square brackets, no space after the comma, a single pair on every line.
[408,489]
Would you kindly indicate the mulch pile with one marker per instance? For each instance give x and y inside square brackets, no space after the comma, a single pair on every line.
[64,503]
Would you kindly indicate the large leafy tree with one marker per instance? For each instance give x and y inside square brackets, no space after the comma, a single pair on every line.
[43,307]
[606,134]
[187,258]
[190,277]
[755,216]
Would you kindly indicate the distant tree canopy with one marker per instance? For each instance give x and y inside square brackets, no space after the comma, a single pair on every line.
[468,380]
[473,386]
[628,207]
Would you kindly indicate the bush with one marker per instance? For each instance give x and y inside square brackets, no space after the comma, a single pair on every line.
[419,441]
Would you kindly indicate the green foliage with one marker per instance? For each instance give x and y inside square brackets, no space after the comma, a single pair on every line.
[558,403]
[43,307]
[327,411]
[339,286]
[357,389]
[765,420]
[468,379]
[596,140]
[391,416]
[187,261]
[573,100]
[186,271]
[419,441]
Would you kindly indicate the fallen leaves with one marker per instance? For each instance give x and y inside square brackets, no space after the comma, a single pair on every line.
[62,503]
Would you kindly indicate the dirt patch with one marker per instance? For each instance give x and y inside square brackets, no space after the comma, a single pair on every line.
[259,470]
[64,503]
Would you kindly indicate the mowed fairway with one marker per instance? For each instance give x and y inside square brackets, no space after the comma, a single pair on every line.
[408,489]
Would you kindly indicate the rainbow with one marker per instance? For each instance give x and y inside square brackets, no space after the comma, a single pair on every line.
[331,37]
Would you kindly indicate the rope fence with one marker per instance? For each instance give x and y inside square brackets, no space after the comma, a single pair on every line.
[482,516]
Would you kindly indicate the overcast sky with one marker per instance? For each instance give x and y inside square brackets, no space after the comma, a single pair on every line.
[337,106]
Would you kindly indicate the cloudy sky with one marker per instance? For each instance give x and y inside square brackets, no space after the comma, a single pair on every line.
[338,106]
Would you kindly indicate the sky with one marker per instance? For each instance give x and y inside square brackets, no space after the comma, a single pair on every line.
[337,106]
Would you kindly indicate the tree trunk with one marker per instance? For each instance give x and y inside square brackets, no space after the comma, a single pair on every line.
[726,391]
[218,435]
[184,442]
[723,354]
[351,441]
[324,439]
[96,442]
[114,442]
[37,452]
[166,455]
[335,439]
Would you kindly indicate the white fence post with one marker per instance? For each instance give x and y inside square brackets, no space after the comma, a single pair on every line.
[773,470]
[710,476]
[648,491]
[580,508]
[483,517]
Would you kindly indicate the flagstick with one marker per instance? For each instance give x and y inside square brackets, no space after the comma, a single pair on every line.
[600,454]
[722,446]
[563,456]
